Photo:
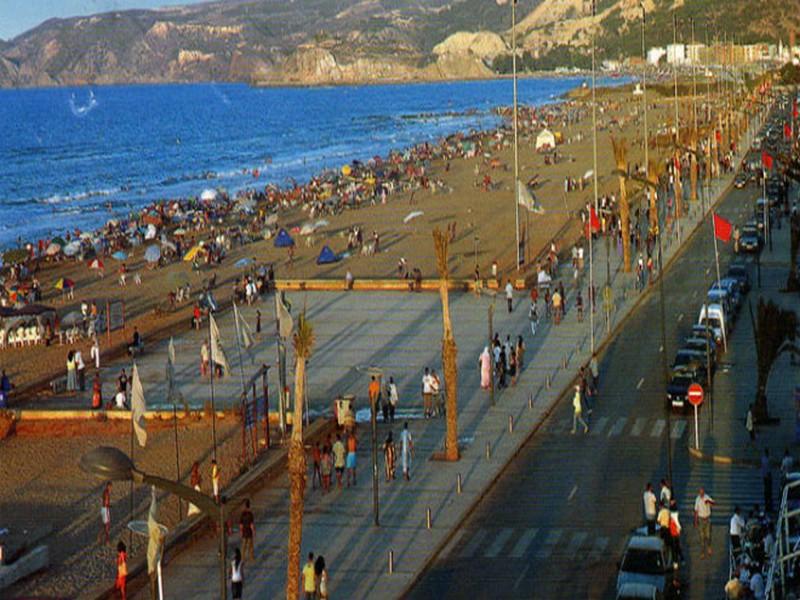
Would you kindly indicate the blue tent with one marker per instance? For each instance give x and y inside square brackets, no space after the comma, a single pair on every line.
[283,239]
[326,256]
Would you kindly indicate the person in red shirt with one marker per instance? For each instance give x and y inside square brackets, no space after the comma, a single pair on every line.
[122,570]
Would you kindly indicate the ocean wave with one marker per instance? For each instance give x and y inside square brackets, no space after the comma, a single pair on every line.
[76,196]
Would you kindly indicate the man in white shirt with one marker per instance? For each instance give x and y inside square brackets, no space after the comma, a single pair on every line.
[702,520]
[649,500]
[81,367]
[665,495]
[737,527]
[94,354]
[510,295]
[427,393]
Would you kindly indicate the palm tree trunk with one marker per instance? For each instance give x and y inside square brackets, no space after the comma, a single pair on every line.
[653,210]
[693,175]
[678,186]
[297,484]
[625,225]
[449,353]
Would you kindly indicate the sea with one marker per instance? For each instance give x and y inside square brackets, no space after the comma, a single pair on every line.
[76,157]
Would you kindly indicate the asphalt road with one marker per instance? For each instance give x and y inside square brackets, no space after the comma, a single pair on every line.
[556,522]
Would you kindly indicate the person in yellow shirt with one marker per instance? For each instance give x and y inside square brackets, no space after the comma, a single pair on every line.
[309,578]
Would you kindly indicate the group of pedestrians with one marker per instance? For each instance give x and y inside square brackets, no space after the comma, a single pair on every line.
[333,458]
[585,395]
[663,511]
[505,360]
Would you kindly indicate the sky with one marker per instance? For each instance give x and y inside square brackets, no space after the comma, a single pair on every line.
[17,16]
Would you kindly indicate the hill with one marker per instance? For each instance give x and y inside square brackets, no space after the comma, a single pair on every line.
[330,41]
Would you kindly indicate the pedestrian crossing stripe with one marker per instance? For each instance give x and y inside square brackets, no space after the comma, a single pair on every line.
[658,428]
[638,426]
[677,429]
[549,543]
[499,542]
[473,544]
[524,542]
[622,426]
[599,425]
[618,426]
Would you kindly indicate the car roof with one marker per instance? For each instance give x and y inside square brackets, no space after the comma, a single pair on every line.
[645,542]
[637,590]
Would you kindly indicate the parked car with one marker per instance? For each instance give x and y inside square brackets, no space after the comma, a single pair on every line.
[700,345]
[738,271]
[717,321]
[678,387]
[646,560]
[741,180]
[750,240]
[639,591]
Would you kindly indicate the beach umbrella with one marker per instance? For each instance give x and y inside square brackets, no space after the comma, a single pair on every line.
[243,262]
[119,255]
[96,265]
[72,318]
[58,240]
[588,174]
[179,231]
[169,246]
[413,215]
[64,284]
[72,248]
[208,195]
[152,254]
[53,249]
[189,256]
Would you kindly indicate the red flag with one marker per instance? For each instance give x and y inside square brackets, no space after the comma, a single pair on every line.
[594,220]
[787,131]
[722,228]
[794,108]
[766,160]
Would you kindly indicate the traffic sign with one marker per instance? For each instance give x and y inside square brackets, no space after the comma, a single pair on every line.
[695,394]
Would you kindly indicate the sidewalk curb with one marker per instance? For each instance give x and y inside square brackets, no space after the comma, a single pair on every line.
[565,391]
[720,458]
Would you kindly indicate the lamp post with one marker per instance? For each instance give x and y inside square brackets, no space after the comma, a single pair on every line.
[516,127]
[644,84]
[109,463]
[377,372]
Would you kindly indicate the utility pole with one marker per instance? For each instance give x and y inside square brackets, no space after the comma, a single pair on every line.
[644,85]
[516,127]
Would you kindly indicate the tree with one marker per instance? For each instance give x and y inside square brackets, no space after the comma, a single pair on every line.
[441,244]
[775,329]
[655,169]
[792,282]
[620,147]
[303,343]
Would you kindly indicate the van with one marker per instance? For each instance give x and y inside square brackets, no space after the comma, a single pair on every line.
[717,295]
[716,322]
[647,561]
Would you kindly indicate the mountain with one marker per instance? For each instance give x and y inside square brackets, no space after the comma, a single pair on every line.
[337,41]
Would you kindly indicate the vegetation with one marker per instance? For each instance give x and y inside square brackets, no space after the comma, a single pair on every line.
[561,56]
[620,147]
[790,74]
[775,329]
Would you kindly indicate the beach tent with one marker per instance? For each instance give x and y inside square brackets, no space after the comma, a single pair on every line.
[72,248]
[283,239]
[545,140]
[326,256]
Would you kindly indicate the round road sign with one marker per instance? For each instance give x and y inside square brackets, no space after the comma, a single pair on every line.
[695,394]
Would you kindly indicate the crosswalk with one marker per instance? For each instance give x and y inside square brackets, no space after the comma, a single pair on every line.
[729,486]
[507,543]
[623,426]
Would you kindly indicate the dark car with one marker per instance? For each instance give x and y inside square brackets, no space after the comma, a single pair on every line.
[740,181]
[750,241]
[699,344]
[739,272]
[692,361]
[678,387]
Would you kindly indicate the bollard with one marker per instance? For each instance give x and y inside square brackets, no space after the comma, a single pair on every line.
[530,400]
[564,361]
[488,451]
[547,382]
[459,487]
[428,517]
[391,562]
[510,424]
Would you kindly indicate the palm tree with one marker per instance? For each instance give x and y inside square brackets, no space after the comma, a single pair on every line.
[678,184]
[775,329]
[655,169]
[441,243]
[303,343]
[620,147]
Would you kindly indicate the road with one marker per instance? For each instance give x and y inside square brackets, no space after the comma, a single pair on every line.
[555,523]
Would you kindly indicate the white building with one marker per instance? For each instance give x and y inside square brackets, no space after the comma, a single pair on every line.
[676,54]
[655,54]
[694,52]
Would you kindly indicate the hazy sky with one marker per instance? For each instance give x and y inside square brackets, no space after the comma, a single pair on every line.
[17,16]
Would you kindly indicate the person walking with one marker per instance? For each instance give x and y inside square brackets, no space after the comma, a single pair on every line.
[97,392]
[352,444]
[389,456]
[204,359]
[121,583]
[749,424]
[247,530]
[80,368]
[310,578]
[195,480]
[577,411]
[427,393]
[736,529]
[649,500]
[316,459]
[72,377]
[665,494]
[391,393]
[406,451]
[94,353]
[675,532]
[322,578]
[436,395]
[533,316]
[662,519]
[237,577]
[766,477]
[104,534]
[510,295]
[338,459]
[702,520]
[556,301]
[326,465]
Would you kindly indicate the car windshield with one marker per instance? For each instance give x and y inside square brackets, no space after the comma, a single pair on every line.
[682,380]
[642,561]
[736,271]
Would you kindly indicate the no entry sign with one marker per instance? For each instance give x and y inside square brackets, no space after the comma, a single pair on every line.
[695,394]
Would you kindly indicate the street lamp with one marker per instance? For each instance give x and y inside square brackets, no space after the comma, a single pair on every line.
[109,463]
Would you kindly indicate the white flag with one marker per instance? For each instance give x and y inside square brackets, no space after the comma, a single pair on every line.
[174,394]
[243,331]
[155,538]
[217,351]
[138,407]
[285,322]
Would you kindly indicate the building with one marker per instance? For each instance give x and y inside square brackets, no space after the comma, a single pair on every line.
[655,54]
[695,53]
[676,54]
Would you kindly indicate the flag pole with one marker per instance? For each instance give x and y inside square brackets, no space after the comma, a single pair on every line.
[173,398]
[716,249]
[213,366]
[130,531]
[241,376]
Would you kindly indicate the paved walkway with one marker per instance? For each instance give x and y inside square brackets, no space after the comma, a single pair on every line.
[401,333]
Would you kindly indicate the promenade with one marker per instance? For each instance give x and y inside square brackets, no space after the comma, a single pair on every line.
[401,333]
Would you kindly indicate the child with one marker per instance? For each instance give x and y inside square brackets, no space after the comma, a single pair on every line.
[326,465]
[122,570]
